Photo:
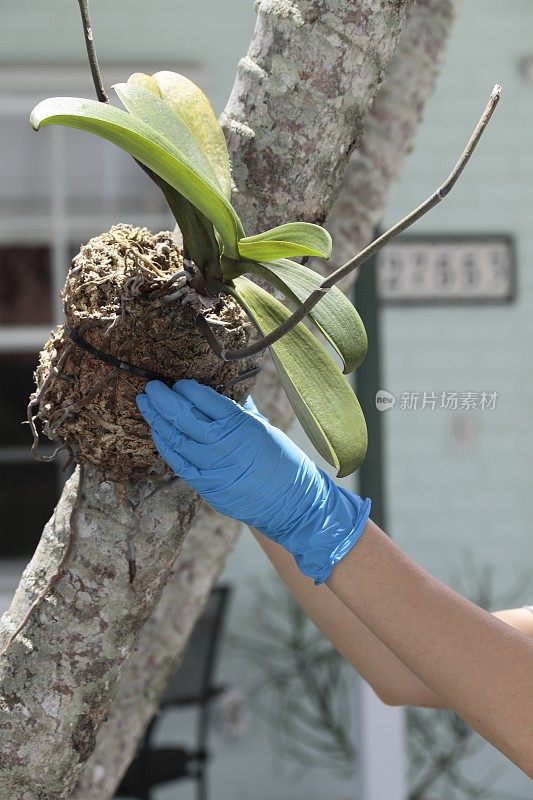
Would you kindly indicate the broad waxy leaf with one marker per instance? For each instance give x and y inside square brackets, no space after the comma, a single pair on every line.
[150,108]
[197,231]
[334,315]
[150,148]
[292,239]
[321,397]
[189,103]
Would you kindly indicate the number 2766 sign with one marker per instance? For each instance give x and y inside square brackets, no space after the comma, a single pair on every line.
[446,269]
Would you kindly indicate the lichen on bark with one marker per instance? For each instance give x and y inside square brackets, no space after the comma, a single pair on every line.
[299,102]
[59,676]
[390,131]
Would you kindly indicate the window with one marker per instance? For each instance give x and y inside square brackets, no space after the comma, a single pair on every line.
[25,284]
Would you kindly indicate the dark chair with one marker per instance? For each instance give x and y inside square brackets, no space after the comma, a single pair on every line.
[191,685]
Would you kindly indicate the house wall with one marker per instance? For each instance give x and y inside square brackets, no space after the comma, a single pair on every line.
[459,482]
[164,34]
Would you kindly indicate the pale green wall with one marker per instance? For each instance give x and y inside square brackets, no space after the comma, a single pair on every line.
[443,504]
[440,502]
[163,33]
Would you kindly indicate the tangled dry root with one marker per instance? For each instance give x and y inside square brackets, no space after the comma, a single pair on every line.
[114,297]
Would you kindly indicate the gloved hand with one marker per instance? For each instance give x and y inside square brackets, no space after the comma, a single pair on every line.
[248,469]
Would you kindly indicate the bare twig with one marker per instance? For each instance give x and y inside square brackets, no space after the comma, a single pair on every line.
[364,255]
[91,51]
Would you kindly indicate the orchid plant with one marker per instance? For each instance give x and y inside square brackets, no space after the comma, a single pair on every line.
[169,127]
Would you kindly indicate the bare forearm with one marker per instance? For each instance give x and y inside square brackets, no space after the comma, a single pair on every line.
[480,666]
[392,681]
[519,618]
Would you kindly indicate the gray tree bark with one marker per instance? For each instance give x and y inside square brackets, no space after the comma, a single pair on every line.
[390,131]
[373,169]
[296,111]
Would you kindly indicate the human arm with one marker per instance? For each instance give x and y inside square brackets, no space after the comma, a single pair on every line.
[248,469]
[519,618]
[394,683]
[479,665]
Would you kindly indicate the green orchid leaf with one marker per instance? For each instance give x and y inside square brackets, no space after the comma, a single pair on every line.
[233,268]
[189,103]
[321,397]
[145,82]
[149,147]
[197,231]
[150,108]
[292,239]
[334,315]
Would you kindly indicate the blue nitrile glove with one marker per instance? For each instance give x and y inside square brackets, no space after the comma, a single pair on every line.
[246,468]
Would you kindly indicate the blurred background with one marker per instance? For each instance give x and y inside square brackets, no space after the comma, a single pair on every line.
[451,362]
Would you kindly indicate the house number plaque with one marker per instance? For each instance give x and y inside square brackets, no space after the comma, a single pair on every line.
[466,269]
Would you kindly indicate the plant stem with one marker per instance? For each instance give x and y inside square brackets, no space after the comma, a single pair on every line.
[91,51]
[368,252]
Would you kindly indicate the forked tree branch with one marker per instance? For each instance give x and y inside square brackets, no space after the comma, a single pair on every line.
[364,255]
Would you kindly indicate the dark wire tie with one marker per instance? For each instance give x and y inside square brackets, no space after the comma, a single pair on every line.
[107,358]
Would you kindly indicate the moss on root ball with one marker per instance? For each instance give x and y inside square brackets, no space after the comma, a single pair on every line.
[114,298]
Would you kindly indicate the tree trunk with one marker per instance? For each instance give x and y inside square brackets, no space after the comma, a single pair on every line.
[374,167]
[295,113]
[390,131]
